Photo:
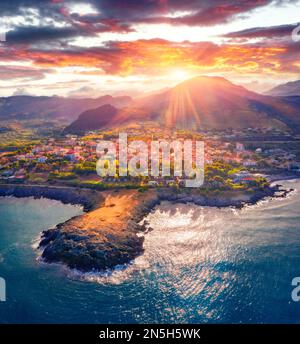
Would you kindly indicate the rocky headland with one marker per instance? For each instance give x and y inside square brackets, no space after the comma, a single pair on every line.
[107,234]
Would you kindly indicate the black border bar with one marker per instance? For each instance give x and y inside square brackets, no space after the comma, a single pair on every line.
[78,333]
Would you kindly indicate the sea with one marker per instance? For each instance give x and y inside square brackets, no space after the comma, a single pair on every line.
[200,265]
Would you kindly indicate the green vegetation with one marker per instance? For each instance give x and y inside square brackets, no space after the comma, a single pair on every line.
[85,167]
[219,174]
[61,175]
[90,184]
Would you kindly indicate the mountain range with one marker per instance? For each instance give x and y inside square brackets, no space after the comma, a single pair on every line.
[199,103]
[48,108]
[289,89]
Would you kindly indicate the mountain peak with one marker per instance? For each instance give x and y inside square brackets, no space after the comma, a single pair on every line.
[210,102]
[206,78]
[203,102]
[93,119]
[210,84]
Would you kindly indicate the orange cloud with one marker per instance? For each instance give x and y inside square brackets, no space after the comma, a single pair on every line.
[148,56]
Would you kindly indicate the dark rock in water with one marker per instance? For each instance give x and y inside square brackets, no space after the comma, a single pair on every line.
[222,200]
[47,236]
[83,254]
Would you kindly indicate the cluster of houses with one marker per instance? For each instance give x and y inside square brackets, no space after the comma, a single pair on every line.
[281,159]
[72,150]
[246,177]
[14,176]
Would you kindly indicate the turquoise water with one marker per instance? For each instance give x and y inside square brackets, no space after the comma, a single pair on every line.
[201,265]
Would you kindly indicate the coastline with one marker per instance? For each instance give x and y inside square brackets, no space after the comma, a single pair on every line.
[279,178]
[89,199]
[107,234]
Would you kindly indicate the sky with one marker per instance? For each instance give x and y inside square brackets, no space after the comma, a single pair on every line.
[90,48]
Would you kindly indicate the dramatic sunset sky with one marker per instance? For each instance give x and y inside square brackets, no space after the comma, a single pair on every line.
[94,47]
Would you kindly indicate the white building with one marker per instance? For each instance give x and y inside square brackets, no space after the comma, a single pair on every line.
[42,159]
[240,147]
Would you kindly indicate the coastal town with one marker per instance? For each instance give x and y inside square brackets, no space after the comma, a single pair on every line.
[63,167]
[231,162]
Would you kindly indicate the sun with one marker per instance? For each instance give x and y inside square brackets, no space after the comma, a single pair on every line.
[179,75]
